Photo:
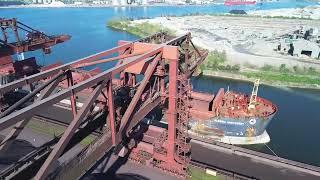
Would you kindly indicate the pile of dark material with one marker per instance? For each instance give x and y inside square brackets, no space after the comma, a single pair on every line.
[237,12]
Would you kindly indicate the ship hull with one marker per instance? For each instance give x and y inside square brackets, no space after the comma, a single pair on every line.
[261,139]
[232,130]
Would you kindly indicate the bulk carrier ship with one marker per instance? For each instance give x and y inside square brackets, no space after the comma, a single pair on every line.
[231,117]
[239,2]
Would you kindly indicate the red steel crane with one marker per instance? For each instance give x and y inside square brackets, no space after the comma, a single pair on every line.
[17,38]
[33,40]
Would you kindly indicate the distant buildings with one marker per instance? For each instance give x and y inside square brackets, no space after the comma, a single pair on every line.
[125,2]
[42,1]
[302,42]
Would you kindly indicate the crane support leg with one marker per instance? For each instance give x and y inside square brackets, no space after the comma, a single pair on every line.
[172,114]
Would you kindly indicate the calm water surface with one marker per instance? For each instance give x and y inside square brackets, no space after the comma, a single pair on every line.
[294,130]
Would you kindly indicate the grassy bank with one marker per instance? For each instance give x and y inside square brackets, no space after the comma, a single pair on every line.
[199,174]
[268,78]
[288,78]
[141,29]
[302,77]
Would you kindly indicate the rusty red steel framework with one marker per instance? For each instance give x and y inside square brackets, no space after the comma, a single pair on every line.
[17,38]
[165,65]
[34,39]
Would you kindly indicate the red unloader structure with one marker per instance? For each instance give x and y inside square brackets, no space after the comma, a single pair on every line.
[151,73]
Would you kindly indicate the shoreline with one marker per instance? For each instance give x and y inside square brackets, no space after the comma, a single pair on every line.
[99,5]
[231,76]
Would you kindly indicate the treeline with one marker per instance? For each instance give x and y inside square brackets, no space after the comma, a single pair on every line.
[10,3]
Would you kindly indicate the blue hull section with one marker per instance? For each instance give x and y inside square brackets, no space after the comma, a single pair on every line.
[225,126]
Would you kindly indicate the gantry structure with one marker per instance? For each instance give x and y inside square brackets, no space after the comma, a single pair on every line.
[152,72]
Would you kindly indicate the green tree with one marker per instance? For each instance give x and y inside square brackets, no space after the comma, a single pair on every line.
[267,67]
[295,69]
[236,68]
[283,68]
[312,70]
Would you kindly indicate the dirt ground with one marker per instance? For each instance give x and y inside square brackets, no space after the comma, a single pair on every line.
[246,40]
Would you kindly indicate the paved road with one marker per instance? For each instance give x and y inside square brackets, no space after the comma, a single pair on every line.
[245,165]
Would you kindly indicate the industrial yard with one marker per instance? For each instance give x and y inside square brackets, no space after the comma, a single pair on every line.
[247,40]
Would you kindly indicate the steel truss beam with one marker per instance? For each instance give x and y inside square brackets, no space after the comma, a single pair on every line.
[51,72]
[14,117]
[69,132]
[144,110]
[111,113]
[20,125]
[149,72]
[29,96]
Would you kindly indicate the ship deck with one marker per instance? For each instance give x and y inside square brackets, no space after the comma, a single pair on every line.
[235,105]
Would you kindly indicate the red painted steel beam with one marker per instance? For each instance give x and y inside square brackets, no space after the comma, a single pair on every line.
[105,60]
[39,76]
[20,125]
[171,112]
[170,53]
[137,96]
[194,66]
[111,114]
[89,158]
[113,50]
[30,79]
[26,46]
[69,132]
[35,39]
[33,108]
[73,96]
[29,96]
[144,110]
